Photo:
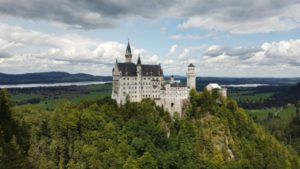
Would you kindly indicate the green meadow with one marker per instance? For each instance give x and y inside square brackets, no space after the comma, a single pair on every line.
[281,112]
[249,95]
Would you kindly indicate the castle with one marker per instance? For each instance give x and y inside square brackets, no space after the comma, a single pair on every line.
[140,81]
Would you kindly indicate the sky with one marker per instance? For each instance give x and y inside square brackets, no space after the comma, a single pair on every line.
[222,38]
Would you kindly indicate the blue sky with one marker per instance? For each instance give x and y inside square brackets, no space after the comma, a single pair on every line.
[257,38]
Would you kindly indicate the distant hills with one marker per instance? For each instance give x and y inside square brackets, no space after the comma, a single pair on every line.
[49,77]
[60,77]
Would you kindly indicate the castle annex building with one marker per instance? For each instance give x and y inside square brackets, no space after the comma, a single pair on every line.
[140,81]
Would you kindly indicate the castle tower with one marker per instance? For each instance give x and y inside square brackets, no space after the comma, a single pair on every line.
[139,79]
[172,80]
[191,77]
[128,54]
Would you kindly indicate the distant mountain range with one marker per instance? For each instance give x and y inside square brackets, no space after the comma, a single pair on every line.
[49,77]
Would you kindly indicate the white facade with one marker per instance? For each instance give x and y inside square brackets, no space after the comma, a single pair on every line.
[222,91]
[136,82]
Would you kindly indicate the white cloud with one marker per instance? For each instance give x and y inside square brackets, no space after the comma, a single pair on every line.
[283,50]
[172,50]
[271,59]
[185,54]
[185,37]
[153,60]
[23,50]
[32,51]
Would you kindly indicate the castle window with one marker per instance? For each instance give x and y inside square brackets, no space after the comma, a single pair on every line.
[172,104]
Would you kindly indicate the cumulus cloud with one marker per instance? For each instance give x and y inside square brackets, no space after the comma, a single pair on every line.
[153,59]
[36,51]
[283,50]
[24,50]
[242,52]
[236,16]
[277,58]
[286,52]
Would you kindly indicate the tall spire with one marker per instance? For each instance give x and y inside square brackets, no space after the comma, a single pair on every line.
[139,60]
[128,54]
[128,49]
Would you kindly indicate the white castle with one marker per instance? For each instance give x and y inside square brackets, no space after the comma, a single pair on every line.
[140,81]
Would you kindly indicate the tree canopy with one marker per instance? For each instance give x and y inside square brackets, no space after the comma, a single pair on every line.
[101,134]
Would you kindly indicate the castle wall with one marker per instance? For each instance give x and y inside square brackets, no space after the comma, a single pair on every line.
[173,99]
[224,92]
[172,105]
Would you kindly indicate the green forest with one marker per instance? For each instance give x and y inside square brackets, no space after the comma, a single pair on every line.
[213,133]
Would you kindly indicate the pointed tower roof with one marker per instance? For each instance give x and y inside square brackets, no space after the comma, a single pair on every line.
[139,61]
[191,65]
[128,49]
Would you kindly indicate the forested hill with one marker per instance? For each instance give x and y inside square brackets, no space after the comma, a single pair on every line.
[283,95]
[290,95]
[49,77]
[100,134]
